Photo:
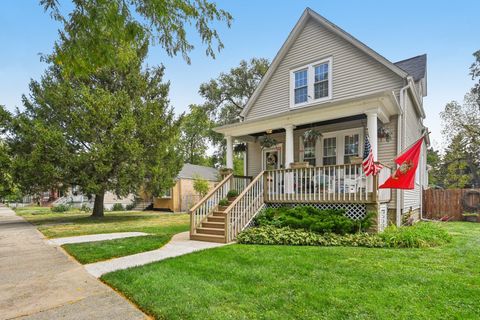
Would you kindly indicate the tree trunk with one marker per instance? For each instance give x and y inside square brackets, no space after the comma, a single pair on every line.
[98,205]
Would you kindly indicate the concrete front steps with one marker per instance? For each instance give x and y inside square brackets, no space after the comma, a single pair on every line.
[212,229]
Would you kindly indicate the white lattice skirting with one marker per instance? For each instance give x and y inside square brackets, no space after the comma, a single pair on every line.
[354,211]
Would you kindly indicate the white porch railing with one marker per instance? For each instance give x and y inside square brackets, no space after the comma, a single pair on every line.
[333,183]
[384,195]
[239,183]
[241,211]
[208,203]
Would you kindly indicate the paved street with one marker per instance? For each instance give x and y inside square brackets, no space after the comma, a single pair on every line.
[39,281]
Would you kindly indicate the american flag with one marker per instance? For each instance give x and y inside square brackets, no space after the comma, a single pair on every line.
[369,165]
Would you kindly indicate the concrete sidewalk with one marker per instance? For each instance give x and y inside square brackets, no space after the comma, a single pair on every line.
[178,246]
[95,237]
[39,281]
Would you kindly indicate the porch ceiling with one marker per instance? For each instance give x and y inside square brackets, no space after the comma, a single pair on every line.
[315,124]
[383,103]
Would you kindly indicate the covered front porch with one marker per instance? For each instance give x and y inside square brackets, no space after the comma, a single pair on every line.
[314,154]
[281,140]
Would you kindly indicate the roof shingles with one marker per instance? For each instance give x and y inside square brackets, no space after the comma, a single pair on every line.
[415,67]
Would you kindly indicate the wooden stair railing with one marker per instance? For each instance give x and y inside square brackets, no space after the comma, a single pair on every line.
[208,204]
[243,209]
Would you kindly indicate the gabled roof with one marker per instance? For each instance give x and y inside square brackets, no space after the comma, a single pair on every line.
[310,14]
[415,67]
[191,171]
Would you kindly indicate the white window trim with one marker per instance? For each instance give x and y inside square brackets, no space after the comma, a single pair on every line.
[340,135]
[279,148]
[310,84]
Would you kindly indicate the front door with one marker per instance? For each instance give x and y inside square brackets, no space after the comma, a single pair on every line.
[272,158]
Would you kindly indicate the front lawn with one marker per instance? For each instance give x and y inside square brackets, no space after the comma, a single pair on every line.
[162,226]
[287,282]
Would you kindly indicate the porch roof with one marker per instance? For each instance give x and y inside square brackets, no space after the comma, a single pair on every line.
[384,103]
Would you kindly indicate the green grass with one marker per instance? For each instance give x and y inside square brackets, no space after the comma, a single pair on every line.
[102,250]
[287,282]
[162,226]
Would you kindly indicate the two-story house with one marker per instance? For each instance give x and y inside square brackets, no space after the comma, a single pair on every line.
[305,128]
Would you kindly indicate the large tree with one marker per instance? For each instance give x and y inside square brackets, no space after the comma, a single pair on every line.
[95,29]
[226,96]
[195,130]
[462,132]
[98,118]
[435,177]
[475,73]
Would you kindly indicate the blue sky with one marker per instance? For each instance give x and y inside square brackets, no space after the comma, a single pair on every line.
[447,31]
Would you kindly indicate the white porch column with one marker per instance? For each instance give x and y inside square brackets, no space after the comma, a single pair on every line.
[229,140]
[372,132]
[289,153]
[289,158]
[372,136]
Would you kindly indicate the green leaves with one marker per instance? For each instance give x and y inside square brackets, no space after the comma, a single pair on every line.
[226,96]
[312,219]
[271,235]
[195,129]
[200,186]
[100,33]
[420,235]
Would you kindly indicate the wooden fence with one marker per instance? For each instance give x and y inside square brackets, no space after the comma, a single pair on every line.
[438,203]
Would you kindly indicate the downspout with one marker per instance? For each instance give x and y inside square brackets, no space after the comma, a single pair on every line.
[401,137]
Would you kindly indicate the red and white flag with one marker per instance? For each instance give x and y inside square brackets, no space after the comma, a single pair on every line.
[404,176]
[369,165]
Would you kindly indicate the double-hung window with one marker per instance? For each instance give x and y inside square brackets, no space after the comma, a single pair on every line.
[321,81]
[301,86]
[311,83]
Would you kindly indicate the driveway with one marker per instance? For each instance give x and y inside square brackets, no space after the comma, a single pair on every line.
[39,281]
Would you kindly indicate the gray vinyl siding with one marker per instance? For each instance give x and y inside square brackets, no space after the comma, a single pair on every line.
[354,72]
[413,131]
[387,151]
[254,159]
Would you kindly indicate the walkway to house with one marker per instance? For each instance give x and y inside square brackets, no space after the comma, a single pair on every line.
[179,245]
[39,281]
[95,237]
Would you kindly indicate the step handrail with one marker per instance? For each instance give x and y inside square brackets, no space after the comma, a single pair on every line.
[258,185]
[208,203]
[209,194]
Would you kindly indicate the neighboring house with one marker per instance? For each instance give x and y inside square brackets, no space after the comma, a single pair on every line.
[182,196]
[305,128]
[75,198]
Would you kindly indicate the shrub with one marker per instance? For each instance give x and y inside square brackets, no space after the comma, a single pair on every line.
[223,202]
[60,208]
[85,208]
[420,235]
[232,193]
[130,206]
[118,207]
[271,235]
[312,219]
[200,186]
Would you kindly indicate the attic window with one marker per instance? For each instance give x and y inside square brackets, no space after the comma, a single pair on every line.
[301,86]
[311,83]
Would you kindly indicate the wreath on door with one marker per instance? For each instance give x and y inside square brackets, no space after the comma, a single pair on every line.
[271,159]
